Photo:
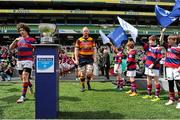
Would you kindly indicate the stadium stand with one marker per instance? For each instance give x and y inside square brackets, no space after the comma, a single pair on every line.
[71,15]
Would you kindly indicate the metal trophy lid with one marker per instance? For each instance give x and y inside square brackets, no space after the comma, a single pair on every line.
[47,30]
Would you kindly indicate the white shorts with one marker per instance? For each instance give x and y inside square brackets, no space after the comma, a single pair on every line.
[72,66]
[68,66]
[151,72]
[172,74]
[24,64]
[86,68]
[131,73]
[61,68]
[64,65]
[117,70]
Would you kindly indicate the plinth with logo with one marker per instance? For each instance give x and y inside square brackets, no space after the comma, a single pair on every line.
[46,78]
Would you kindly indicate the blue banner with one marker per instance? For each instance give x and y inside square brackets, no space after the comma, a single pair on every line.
[176,10]
[118,36]
[163,17]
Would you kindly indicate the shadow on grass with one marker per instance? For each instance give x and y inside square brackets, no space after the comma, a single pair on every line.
[68,98]
[144,91]
[1,111]
[13,90]
[90,115]
[30,99]
[6,84]
[164,98]
[13,99]
[111,90]
[105,90]
[10,99]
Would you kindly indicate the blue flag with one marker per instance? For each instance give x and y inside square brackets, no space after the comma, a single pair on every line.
[118,36]
[163,17]
[176,10]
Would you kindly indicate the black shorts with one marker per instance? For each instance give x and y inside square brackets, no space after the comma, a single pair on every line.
[25,70]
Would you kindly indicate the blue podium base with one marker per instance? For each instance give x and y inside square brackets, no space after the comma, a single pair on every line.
[46,81]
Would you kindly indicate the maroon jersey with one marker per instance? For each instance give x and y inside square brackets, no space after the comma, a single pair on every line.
[25,48]
[131,60]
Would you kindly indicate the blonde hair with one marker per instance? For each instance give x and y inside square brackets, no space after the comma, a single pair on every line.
[84,28]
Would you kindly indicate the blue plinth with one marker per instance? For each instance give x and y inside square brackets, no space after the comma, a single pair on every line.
[46,81]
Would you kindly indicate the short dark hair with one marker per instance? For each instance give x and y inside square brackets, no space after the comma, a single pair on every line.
[24,26]
[178,39]
[153,38]
[174,37]
[130,44]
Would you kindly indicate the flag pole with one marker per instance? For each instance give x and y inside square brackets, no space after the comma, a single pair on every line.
[161,38]
[156,2]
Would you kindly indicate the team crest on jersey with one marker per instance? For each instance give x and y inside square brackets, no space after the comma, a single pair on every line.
[130,56]
[169,50]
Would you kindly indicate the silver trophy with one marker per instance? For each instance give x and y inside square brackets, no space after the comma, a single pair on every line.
[47,30]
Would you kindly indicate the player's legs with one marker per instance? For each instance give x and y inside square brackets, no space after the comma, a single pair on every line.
[169,76]
[20,74]
[24,68]
[157,86]
[131,75]
[89,74]
[81,74]
[178,88]
[171,92]
[149,87]
[25,84]
[119,80]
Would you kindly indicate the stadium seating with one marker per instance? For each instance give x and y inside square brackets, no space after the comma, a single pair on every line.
[71,15]
[94,28]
